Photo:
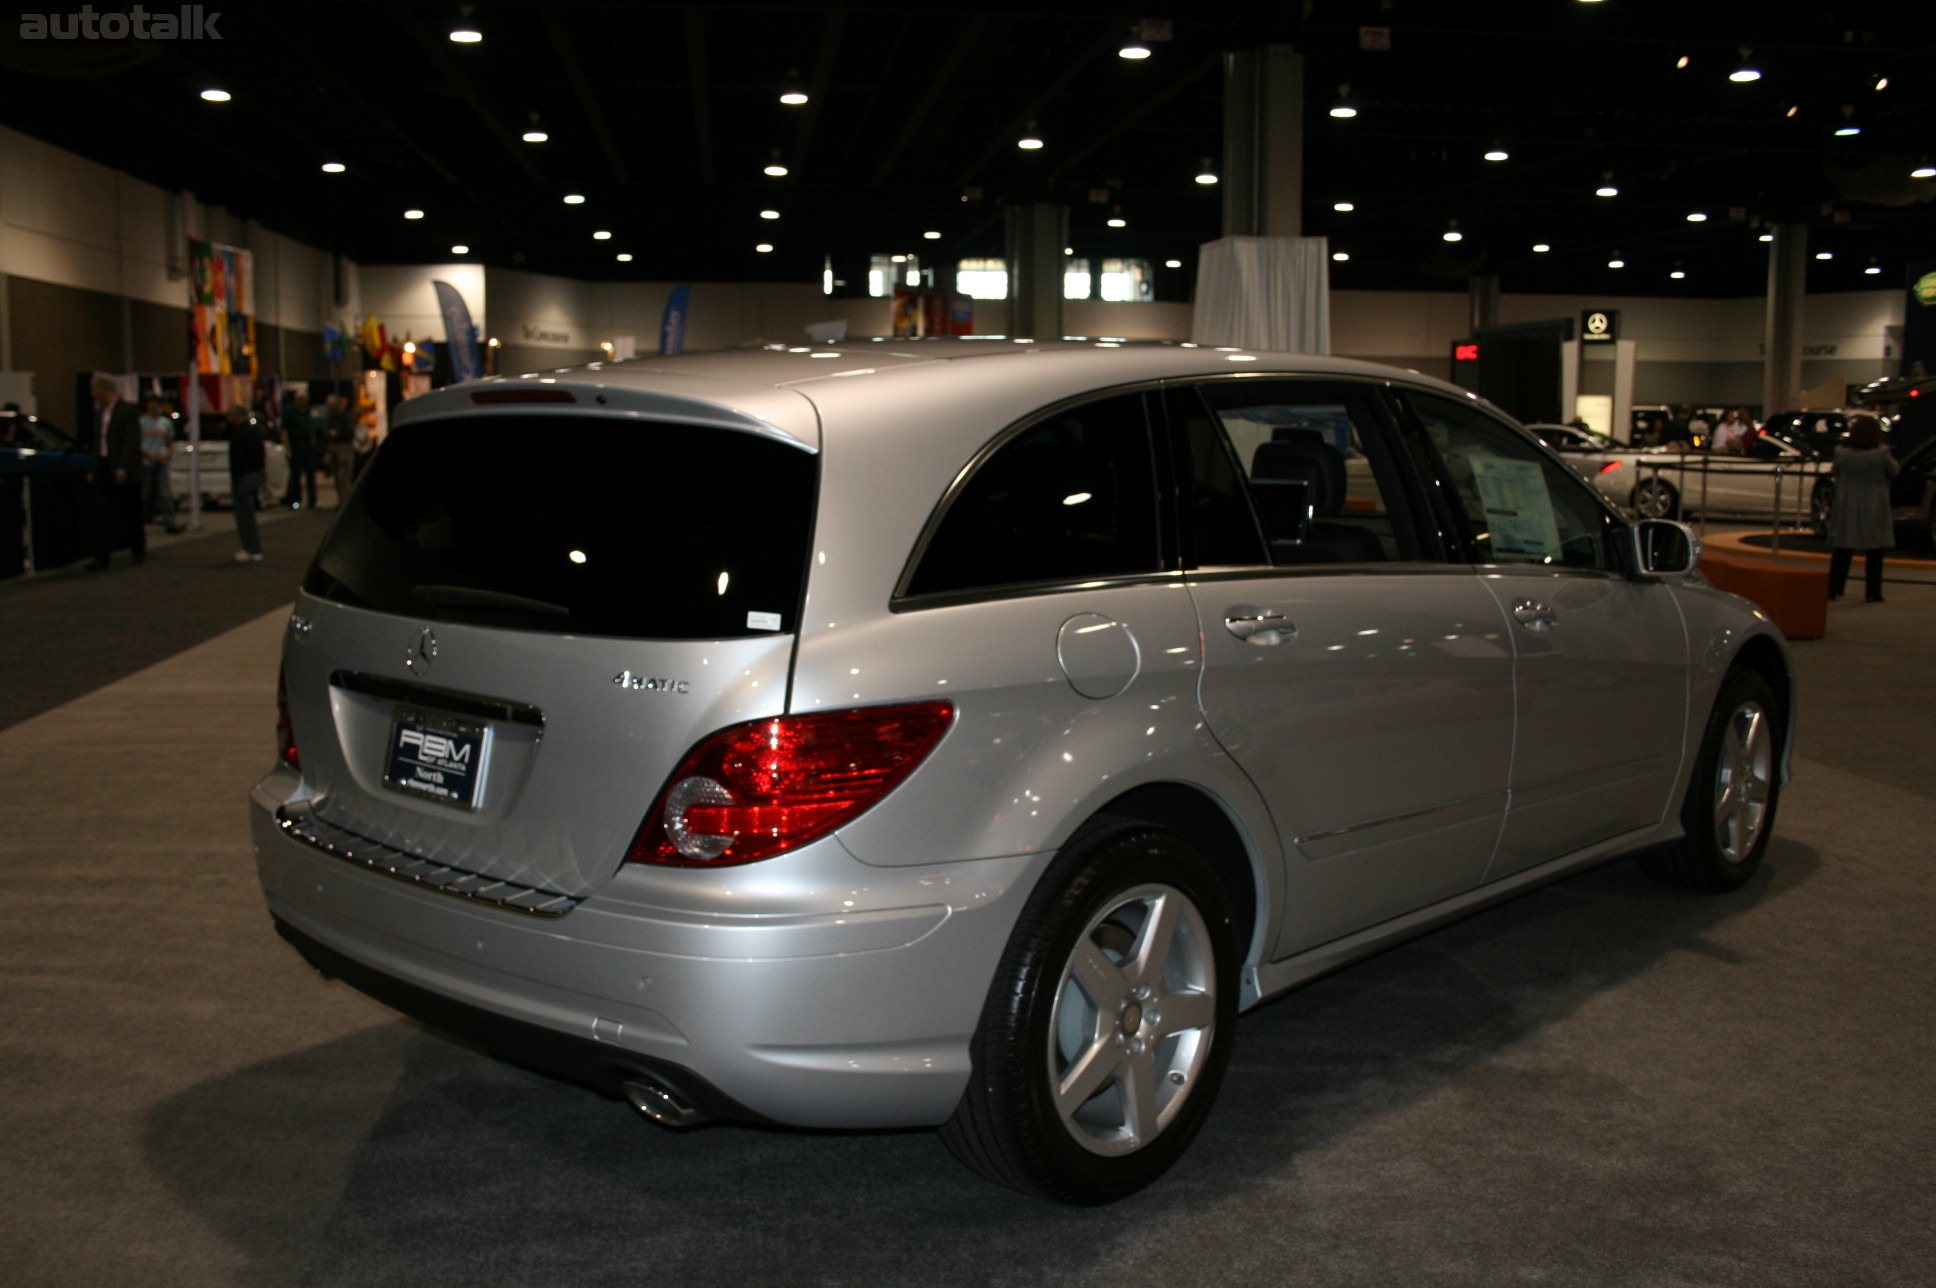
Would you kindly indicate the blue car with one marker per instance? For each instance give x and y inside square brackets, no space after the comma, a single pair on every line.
[29,445]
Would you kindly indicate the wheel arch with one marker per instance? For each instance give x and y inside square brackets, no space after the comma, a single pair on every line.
[1765,658]
[1207,825]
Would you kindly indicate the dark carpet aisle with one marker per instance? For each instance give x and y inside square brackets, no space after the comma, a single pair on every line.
[1600,1084]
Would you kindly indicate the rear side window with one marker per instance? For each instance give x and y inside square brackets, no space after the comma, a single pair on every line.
[577,525]
[1069,499]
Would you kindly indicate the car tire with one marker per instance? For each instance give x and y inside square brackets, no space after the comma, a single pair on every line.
[1108,1026]
[1656,499]
[1729,812]
[1820,501]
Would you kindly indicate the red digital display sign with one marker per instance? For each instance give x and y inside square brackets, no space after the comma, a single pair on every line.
[1465,353]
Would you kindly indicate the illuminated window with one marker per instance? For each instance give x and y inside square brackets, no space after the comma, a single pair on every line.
[982,279]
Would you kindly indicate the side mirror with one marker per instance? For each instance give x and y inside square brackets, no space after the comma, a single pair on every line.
[1664,548]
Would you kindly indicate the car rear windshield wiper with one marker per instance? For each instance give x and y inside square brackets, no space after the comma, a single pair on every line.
[473,597]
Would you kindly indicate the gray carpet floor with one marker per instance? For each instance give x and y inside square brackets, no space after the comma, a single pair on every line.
[1602,1083]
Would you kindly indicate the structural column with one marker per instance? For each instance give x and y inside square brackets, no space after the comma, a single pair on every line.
[1781,388]
[1263,143]
[1036,237]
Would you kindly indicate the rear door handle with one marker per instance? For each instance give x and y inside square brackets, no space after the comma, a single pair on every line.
[1533,615]
[1256,625]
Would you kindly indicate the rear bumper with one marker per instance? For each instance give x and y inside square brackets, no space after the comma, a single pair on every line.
[853,1015]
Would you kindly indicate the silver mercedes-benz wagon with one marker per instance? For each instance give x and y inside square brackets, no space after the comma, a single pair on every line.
[961,733]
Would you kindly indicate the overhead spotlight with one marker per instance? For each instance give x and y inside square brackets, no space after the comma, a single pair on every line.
[1540,248]
[1119,223]
[1793,111]
[1498,154]
[1873,270]
[1172,263]
[764,248]
[931,235]
[623,258]
[1452,233]
[1030,140]
[1207,172]
[1339,257]
[334,167]
[1848,131]
[1696,217]
[1923,172]
[1677,275]
[536,136]
[460,250]
[574,199]
[1344,109]
[601,235]
[1606,188]
[1766,237]
[769,214]
[463,33]
[1747,71]
[1882,82]
[413,214]
[1681,63]
[216,95]
[1135,51]
[1824,254]
[1848,127]
[792,92]
[1616,263]
[1343,207]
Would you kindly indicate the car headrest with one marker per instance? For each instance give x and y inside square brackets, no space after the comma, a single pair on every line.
[1304,458]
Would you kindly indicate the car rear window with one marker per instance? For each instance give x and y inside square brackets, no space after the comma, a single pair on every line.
[577,525]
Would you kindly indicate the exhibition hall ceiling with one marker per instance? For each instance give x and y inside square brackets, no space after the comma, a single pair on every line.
[663,118]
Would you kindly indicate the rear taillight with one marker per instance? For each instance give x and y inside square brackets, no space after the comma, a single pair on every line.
[768,786]
[285,728]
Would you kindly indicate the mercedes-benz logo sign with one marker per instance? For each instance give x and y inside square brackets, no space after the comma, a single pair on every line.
[1598,323]
[422,651]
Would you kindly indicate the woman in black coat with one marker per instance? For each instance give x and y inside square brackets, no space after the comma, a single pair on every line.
[1859,518]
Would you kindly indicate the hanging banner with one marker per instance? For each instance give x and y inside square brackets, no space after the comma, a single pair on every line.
[459,333]
[221,309]
[672,331]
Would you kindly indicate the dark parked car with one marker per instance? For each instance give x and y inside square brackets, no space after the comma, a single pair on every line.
[43,472]
[29,445]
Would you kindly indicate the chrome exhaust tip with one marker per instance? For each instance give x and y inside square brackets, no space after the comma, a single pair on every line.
[661,1103]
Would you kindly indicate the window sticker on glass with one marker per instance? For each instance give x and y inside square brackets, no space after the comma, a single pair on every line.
[762,621]
[1518,507]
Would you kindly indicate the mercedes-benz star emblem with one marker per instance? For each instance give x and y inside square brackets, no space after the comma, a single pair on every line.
[422,651]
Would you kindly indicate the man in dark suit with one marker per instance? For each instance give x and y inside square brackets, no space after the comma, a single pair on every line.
[114,479]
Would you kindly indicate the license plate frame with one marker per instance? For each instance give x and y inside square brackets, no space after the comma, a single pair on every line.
[436,757]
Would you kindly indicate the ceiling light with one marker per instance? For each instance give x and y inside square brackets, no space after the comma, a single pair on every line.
[1498,154]
[1540,248]
[775,171]
[1119,223]
[792,92]
[1746,71]
[1028,143]
[601,235]
[1677,275]
[931,235]
[1606,190]
[1824,254]
[1172,263]
[460,250]
[1207,172]
[1873,269]
[536,136]
[623,258]
[1343,207]
[769,214]
[1616,263]
[1923,172]
[413,214]
[1133,51]
[1339,257]
[1344,109]
[334,167]
[1696,217]
[216,95]
[1882,82]
[764,248]
[575,199]
[1682,63]
[1452,235]
[463,33]
[1848,130]
[793,98]
[1766,237]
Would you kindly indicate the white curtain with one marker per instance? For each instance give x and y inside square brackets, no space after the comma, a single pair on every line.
[1265,293]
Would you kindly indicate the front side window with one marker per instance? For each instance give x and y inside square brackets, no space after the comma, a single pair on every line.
[1069,499]
[1518,505]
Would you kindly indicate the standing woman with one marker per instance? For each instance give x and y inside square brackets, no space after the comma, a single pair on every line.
[1859,518]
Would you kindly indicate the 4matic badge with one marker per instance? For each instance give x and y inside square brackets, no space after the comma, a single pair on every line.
[651,683]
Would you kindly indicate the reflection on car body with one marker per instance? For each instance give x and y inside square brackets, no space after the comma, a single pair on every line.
[1020,712]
